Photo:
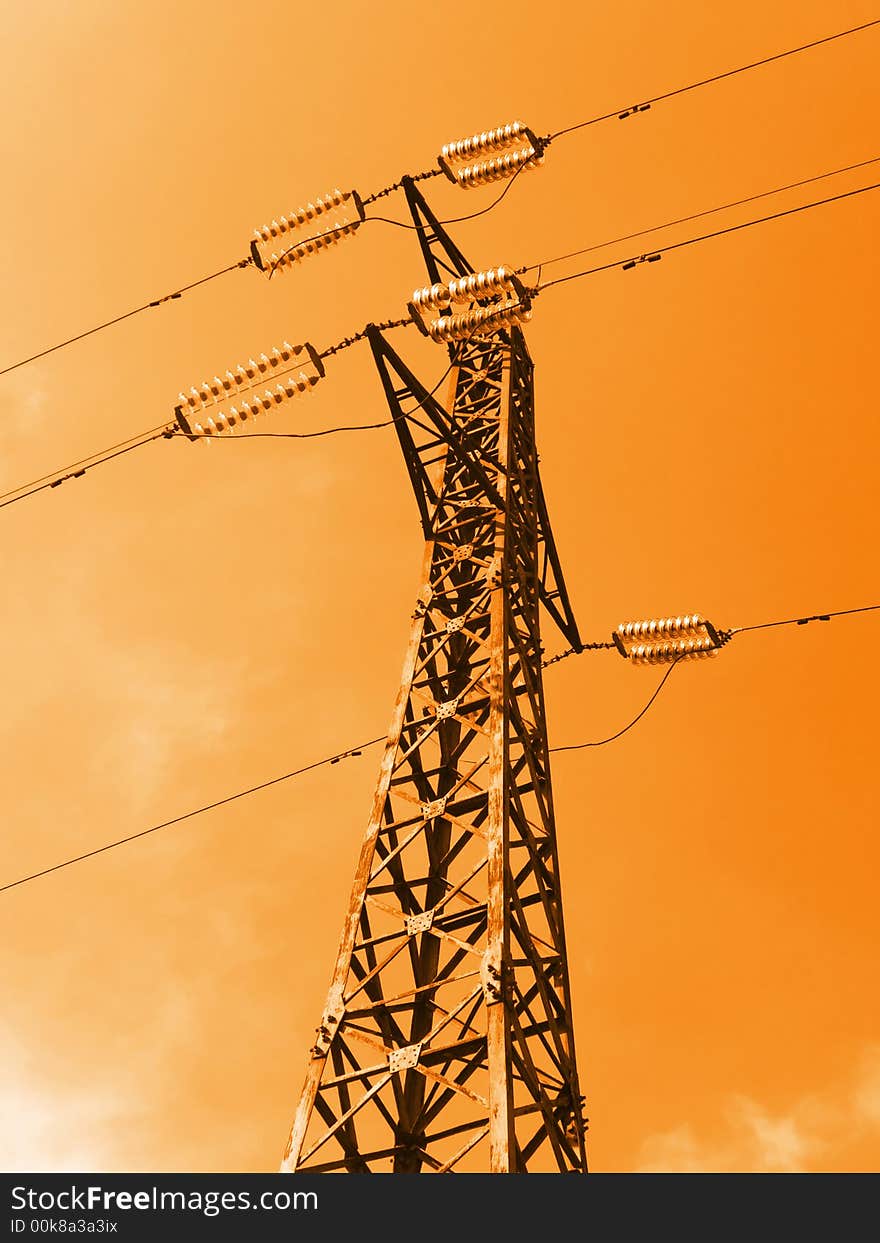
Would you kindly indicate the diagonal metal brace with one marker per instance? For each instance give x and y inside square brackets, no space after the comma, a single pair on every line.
[438,249]
[388,360]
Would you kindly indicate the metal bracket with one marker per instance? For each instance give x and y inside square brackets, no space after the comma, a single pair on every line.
[431,810]
[330,1021]
[419,923]
[491,975]
[631,263]
[405,1058]
[183,424]
[423,603]
[463,552]
[446,710]
[455,625]
[629,112]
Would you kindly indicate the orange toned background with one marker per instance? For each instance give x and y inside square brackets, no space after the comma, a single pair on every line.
[185,622]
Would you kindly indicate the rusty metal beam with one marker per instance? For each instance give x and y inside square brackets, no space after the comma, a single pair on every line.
[446,1043]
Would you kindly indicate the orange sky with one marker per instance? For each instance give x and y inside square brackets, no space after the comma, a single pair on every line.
[184,623]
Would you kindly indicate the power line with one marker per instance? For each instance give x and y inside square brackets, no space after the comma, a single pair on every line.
[354,751]
[579,746]
[561,280]
[803,621]
[245,263]
[326,431]
[709,211]
[169,431]
[55,481]
[400,224]
[718,77]
[73,465]
[248,262]
[705,237]
[188,815]
[231,798]
[403,224]
[169,297]
[793,621]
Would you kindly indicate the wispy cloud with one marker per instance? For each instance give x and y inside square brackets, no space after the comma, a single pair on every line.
[163,706]
[749,1137]
[866,1095]
[49,1126]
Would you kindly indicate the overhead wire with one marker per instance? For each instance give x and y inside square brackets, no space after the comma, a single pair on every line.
[137,442]
[429,173]
[108,323]
[717,77]
[73,465]
[579,746]
[325,431]
[401,224]
[76,470]
[592,121]
[705,237]
[21,494]
[188,815]
[709,211]
[355,751]
[99,459]
[245,263]
[791,621]
[803,621]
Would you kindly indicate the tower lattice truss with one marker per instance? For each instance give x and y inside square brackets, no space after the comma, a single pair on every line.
[447,1043]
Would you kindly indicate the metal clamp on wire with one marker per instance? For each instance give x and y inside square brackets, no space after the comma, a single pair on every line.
[631,263]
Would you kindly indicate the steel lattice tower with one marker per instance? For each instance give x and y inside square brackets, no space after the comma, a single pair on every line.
[447,1042]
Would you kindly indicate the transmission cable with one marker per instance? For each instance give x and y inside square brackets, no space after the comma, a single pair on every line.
[99,459]
[73,465]
[248,262]
[622,113]
[230,798]
[178,293]
[579,746]
[709,211]
[728,634]
[188,815]
[355,751]
[418,228]
[804,621]
[704,237]
[76,470]
[561,280]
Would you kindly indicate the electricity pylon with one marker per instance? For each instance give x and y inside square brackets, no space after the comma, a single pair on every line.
[446,1043]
